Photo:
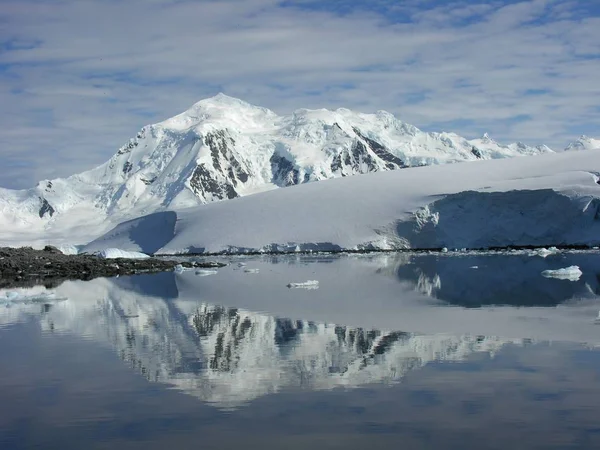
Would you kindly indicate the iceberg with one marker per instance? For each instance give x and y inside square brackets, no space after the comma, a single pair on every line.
[571,273]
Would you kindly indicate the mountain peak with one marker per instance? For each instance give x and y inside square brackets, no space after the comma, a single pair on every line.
[584,143]
[222,99]
[221,110]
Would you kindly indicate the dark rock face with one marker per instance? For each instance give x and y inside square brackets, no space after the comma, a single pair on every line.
[222,156]
[133,143]
[353,161]
[127,167]
[148,182]
[127,148]
[45,208]
[392,161]
[223,159]
[202,182]
[50,267]
[363,157]
[475,151]
[228,173]
[283,171]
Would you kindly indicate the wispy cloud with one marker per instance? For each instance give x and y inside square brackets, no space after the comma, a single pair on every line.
[78,78]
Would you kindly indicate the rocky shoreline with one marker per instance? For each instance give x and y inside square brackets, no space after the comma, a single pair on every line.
[25,267]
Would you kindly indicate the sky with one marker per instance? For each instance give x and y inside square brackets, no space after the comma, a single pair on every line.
[78,78]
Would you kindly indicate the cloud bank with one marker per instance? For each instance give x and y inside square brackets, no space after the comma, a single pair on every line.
[78,78]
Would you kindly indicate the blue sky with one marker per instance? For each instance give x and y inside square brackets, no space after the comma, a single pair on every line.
[78,78]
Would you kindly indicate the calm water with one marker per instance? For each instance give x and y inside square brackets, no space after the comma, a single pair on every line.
[391,351]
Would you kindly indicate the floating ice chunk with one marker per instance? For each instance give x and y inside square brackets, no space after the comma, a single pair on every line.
[180,269]
[241,264]
[252,270]
[474,267]
[111,253]
[310,284]
[543,252]
[571,273]
[205,272]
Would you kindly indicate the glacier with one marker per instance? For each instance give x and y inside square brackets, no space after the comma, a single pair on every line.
[548,200]
[223,148]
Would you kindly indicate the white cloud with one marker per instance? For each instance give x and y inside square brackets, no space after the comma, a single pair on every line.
[103,69]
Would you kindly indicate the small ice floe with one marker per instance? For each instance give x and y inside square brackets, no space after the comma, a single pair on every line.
[445,250]
[205,272]
[474,267]
[571,273]
[544,252]
[597,319]
[252,270]
[241,264]
[310,284]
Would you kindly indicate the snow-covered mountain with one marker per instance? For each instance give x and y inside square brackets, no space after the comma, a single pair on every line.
[222,148]
[584,143]
[487,148]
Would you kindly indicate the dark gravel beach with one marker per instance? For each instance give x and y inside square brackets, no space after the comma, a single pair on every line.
[23,267]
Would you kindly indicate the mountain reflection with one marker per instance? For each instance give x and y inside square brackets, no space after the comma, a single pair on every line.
[234,356]
[477,280]
[230,356]
[205,337]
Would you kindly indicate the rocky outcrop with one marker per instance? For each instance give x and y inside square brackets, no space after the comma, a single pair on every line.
[50,267]
[228,170]
[45,208]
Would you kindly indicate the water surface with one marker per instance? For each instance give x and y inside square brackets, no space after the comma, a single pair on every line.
[427,351]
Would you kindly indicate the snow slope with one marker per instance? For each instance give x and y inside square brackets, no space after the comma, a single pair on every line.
[223,148]
[547,200]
